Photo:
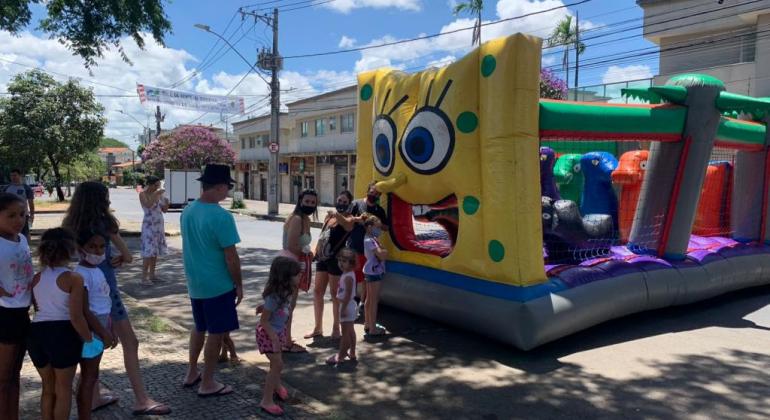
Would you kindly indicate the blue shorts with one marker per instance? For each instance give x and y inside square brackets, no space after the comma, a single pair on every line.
[373,277]
[215,315]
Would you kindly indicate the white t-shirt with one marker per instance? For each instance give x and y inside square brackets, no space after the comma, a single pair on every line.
[16,273]
[98,290]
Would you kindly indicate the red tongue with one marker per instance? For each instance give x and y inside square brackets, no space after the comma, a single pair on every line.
[402,228]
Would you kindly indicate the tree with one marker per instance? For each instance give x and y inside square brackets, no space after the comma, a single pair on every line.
[551,87]
[89,27]
[565,35]
[473,8]
[51,123]
[187,148]
[110,142]
[88,167]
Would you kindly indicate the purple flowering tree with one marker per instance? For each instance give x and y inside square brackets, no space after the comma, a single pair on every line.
[187,148]
[551,86]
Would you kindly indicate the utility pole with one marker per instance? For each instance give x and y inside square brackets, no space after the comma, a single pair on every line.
[158,119]
[275,124]
[577,51]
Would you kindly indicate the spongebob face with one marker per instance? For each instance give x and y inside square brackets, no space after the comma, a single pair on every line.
[451,149]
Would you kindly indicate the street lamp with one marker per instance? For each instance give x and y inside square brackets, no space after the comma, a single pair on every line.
[274,190]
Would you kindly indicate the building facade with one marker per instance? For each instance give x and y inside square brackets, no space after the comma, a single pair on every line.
[730,41]
[317,148]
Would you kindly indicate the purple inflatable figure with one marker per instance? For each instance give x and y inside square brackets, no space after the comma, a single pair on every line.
[547,183]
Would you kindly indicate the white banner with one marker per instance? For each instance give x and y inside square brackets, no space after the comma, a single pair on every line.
[189,100]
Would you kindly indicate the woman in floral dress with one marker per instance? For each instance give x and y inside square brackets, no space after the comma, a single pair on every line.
[153,233]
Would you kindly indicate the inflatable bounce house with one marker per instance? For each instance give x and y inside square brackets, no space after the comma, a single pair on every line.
[546,217]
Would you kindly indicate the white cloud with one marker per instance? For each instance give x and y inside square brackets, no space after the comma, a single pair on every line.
[345,6]
[347,42]
[616,74]
[155,66]
[457,41]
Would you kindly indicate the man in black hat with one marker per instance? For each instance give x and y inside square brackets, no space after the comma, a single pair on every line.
[213,272]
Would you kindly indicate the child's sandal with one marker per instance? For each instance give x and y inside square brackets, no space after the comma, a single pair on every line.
[282,393]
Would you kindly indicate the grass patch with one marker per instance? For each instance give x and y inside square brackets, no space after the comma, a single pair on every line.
[145,319]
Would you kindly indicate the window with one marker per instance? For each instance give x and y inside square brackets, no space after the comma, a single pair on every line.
[243,143]
[304,128]
[252,142]
[319,127]
[263,140]
[347,124]
[332,123]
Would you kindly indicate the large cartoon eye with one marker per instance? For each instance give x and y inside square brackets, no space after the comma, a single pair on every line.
[576,168]
[546,216]
[384,144]
[595,162]
[543,157]
[643,165]
[428,141]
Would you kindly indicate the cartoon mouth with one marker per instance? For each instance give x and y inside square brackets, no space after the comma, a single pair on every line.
[424,228]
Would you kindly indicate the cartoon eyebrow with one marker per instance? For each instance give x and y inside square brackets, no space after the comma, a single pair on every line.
[430,88]
[387,95]
[443,93]
[398,104]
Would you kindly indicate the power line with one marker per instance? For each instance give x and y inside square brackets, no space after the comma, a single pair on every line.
[420,38]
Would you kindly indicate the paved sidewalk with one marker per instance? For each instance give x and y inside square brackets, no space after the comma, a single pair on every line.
[258,209]
[163,355]
[127,228]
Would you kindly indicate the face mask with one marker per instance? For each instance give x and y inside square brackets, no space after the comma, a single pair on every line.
[342,208]
[308,209]
[93,259]
[376,232]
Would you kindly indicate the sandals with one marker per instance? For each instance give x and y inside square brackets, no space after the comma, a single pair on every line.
[282,393]
[294,348]
[333,360]
[274,410]
[313,334]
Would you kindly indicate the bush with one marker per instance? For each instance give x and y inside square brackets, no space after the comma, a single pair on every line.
[238,204]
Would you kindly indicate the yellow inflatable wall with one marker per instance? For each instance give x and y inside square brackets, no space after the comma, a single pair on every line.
[481,115]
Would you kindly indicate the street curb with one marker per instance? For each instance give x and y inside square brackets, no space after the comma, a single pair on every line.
[269,218]
[123,233]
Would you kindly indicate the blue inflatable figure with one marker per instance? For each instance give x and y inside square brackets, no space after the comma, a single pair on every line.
[598,195]
[547,182]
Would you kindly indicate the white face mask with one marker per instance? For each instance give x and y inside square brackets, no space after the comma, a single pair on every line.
[93,259]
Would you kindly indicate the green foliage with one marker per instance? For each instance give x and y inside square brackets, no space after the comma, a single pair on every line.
[565,35]
[473,8]
[238,204]
[133,178]
[48,124]
[88,167]
[110,142]
[90,27]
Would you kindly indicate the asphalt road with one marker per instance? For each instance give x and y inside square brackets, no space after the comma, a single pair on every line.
[703,361]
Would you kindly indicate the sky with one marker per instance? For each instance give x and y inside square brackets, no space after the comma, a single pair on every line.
[192,59]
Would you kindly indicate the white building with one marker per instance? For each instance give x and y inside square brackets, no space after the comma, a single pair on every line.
[730,41]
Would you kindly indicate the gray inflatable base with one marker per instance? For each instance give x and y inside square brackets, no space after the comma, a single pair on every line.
[526,325]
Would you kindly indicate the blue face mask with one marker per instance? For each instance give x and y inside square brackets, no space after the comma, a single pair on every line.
[376,232]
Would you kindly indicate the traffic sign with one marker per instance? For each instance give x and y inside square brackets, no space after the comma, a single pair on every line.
[273,147]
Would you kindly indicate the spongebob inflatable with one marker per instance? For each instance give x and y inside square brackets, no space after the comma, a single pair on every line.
[458,147]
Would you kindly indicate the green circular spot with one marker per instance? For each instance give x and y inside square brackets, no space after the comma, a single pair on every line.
[471,205]
[496,251]
[366,92]
[467,122]
[488,64]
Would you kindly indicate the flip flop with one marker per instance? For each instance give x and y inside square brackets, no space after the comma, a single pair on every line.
[294,348]
[313,334]
[159,409]
[274,410]
[332,360]
[282,393]
[110,400]
[224,390]
[194,382]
